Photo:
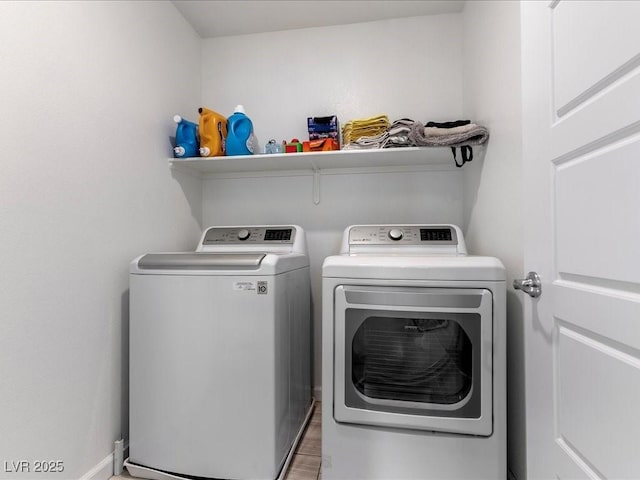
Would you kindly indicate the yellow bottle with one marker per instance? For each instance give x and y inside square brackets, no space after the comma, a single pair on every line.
[212,128]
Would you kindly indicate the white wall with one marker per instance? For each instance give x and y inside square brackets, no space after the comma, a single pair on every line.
[88,92]
[405,68]
[493,185]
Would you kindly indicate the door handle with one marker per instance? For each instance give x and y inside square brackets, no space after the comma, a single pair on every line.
[531,285]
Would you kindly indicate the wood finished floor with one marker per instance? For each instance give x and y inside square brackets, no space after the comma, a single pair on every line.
[305,464]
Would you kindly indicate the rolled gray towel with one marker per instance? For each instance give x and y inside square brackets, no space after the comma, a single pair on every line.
[425,137]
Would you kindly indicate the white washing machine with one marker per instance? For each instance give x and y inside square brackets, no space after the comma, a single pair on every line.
[220,367]
[414,352]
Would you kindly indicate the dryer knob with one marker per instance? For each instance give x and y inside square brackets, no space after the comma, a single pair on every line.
[243,234]
[396,234]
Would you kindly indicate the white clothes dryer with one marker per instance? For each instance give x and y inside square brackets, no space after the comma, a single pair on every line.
[414,357]
[220,367]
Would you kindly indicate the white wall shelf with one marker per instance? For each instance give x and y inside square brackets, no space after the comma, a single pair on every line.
[320,163]
[341,161]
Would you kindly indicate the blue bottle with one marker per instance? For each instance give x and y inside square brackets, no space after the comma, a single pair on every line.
[240,139]
[186,138]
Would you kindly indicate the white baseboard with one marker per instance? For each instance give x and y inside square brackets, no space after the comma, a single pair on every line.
[317,393]
[104,469]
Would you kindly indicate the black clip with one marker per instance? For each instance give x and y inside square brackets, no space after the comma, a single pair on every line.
[466,152]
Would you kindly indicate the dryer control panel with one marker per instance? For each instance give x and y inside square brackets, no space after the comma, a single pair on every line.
[399,239]
[403,235]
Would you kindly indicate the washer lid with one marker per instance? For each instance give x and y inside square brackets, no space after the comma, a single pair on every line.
[200,261]
[216,264]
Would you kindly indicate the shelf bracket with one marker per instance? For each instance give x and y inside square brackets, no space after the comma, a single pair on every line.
[316,186]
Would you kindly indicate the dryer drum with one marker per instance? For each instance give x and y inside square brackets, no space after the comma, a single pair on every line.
[417,360]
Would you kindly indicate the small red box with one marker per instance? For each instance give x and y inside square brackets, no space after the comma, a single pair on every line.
[293,146]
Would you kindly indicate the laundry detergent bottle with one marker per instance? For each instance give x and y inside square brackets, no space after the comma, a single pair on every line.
[240,138]
[213,132]
[186,138]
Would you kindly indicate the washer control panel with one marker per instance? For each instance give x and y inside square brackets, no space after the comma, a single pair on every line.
[249,235]
[403,235]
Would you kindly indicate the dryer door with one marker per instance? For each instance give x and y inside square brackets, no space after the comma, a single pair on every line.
[411,357]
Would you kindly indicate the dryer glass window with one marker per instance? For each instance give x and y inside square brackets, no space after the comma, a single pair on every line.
[413,362]
[428,360]
[414,357]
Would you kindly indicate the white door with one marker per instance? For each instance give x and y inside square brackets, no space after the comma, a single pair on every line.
[581,139]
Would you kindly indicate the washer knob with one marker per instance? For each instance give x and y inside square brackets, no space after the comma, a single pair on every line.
[243,234]
[396,234]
